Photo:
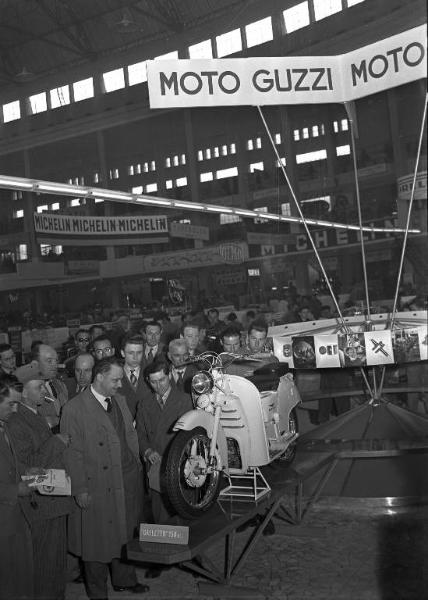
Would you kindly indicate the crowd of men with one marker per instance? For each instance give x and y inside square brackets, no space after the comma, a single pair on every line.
[108,422]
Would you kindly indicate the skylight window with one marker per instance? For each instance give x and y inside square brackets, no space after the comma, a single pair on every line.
[296,17]
[114,80]
[60,96]
[83,89]
[206,177]
[258,166]
[229,43]
[325,8]
[311,156]
[343,150]
[223,173]
[168,56]
[137,73]
[11,111]
[201,50]
[259,32]
[38,103]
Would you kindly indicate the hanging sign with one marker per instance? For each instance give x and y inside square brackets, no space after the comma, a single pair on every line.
[358,349]
[289,79]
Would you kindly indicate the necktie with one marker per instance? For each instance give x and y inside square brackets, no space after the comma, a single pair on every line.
[80,388]
[109,405]
[180,377]
[6,437]
[150,355]
[133,379]
[52,388]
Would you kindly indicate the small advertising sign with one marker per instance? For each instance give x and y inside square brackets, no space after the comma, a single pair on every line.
[164,534]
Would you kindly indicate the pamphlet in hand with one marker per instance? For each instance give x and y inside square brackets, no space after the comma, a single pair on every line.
[50,482]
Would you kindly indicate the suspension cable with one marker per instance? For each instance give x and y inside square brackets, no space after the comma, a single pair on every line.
[412,195]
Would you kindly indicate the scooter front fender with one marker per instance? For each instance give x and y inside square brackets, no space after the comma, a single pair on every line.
[200,418]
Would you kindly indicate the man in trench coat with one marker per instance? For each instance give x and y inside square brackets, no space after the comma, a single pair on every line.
[103,462]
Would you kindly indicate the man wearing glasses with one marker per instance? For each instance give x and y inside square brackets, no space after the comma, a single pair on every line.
[102,347]
[82,340]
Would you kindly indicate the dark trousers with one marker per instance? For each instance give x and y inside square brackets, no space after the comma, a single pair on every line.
[122,575]
[50,558]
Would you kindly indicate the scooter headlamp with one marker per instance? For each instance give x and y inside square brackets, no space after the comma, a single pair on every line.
[202,382]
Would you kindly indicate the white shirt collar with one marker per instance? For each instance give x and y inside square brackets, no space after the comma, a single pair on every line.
[153,349]
[101,399]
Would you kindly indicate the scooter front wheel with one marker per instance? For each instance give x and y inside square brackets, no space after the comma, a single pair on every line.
[192,484]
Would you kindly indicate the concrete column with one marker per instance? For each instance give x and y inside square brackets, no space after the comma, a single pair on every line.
[108,211]
[29,208]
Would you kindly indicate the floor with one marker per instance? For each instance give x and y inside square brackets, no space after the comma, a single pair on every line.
[343,550]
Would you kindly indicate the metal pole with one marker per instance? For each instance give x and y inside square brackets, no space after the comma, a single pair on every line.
[357,192]
[412,194]
[305,225]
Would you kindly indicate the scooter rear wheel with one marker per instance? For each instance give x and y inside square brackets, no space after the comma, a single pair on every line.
[190,488]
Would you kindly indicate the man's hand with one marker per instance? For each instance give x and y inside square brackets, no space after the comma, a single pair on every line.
[152,456]
[24,489]
[64,437]
[83,499]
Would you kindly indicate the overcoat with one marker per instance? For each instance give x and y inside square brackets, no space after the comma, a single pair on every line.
[36,446]
[16,555]
[93,460]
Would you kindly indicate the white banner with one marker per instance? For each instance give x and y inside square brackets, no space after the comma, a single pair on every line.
[53,224]
[289,80]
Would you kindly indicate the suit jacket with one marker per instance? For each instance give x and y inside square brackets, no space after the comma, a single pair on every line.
[16,556]
[36,446]
[93,460]
[71,385]
[154,424]
[186,384]
[161,352]
[131,395]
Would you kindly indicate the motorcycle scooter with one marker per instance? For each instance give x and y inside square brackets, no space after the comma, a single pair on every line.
[233,430]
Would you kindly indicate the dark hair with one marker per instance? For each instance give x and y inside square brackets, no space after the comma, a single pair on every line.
[232,317]
[213,310]
[80,331]
[250,314]
[5,347]
[35,349]
[258,325]
[132,338]
[159,364]
[229,332]
[151,324]
[7,383]
[104,366]
[93,327]
[101,338]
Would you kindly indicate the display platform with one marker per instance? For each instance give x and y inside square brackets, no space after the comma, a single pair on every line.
[220,523]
